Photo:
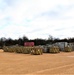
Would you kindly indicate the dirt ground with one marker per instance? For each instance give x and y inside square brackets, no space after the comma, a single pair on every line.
[26,64]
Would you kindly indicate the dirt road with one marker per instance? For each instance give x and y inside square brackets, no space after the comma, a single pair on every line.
[20,64]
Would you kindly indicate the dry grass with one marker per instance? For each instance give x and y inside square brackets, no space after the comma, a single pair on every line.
[51,64]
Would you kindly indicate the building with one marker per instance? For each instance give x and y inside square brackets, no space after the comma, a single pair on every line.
[61,45]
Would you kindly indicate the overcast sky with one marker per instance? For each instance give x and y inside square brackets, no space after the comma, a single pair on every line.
[36,18]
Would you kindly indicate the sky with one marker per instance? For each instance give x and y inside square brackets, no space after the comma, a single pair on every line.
[36,18]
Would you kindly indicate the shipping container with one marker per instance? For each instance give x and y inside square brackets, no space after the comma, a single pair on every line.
[29,44]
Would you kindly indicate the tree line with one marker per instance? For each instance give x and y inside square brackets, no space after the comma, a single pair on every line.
[37,41]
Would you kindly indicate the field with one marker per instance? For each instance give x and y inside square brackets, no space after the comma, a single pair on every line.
[26,64]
